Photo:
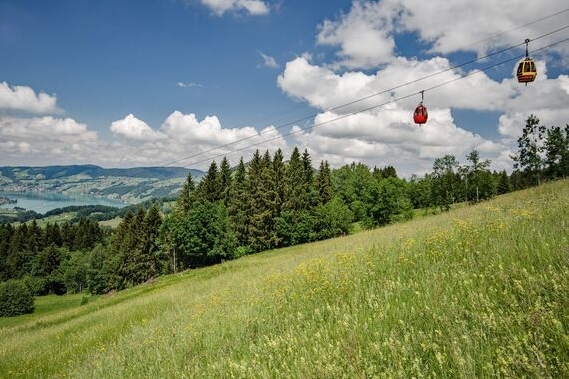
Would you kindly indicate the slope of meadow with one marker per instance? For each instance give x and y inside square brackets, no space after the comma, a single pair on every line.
[481,291]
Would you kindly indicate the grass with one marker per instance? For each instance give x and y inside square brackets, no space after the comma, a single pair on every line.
[112,223]
[479,291]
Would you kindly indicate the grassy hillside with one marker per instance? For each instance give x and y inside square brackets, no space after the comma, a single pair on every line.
[477,292]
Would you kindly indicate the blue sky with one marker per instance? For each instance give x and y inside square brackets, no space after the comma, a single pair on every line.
[127,83]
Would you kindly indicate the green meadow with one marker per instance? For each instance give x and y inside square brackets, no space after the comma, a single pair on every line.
[480,291]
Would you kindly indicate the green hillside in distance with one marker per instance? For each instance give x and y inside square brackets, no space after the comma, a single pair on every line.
[130,185]
[479,291]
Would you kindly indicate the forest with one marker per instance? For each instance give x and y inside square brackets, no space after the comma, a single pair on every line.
[266,203]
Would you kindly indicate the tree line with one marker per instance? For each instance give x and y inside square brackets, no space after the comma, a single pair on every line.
[266,203]
[52,259]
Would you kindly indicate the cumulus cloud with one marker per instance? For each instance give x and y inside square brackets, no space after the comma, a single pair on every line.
[253,7]
[45,128]
[22,98]
[46,140]
[374,123]
[364,35]
[366,115]
[133,128]
[459,26]
[189,138]
[363,98]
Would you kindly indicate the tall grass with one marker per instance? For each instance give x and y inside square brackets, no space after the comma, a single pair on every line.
[477,292]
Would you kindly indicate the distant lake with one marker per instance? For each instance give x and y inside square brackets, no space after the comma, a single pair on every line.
[42,202]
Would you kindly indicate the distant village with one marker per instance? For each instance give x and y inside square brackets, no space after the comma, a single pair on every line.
[5,200]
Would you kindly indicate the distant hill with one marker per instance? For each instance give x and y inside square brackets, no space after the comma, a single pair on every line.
[130,185]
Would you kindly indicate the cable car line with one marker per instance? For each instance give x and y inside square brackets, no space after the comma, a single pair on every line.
[297,121]
[521,26]
[393,88]
[371,107]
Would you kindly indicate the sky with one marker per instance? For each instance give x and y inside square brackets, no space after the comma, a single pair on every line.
[130,83]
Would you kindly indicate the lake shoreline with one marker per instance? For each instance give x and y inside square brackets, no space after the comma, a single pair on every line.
[43,202]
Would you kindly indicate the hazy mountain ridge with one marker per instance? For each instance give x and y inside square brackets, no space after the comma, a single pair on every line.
[130,185]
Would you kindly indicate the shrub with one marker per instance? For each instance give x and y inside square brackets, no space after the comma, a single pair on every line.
[15,298]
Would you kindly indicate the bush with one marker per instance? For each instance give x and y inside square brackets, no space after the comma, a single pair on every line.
[15,298]
[37,285]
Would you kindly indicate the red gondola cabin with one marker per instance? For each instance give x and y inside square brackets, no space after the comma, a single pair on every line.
[420,116]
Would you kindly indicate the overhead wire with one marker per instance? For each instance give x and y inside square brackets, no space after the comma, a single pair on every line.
[311,116]
[299,130]
[521,26]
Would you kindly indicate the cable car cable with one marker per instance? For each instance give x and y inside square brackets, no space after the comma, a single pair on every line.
[366,98]
[372,107]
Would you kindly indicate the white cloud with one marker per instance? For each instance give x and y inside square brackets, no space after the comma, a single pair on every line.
[189,138]
[459,25]
[368,65]
[133,128]
[46,140]
[379,130]
[188,85]
[322,87]
[21,98]
[375,125]
[45,128]
[268,61]
[364,35]
[253,7]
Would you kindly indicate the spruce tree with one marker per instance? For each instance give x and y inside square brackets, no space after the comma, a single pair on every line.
[261,204]
[186,197]
[388,172]
[296,195]
[324,183]
[278,185]
[133,263]
[239,205]
[225,181]
[555,149]
[209,187]
[310,192]
[504,185]
[154,260]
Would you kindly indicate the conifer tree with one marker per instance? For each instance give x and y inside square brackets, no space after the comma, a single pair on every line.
[324,183]
[18,261]
[261,202]
[310,192]
[35,238]
[154,260]
[504,185]
[225,181]
[186,197]
[52,235]
[133,262]
[209,187]
[296,195]
[239,209]
[388,172]
[115,265]
[6,233]
[555,149]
